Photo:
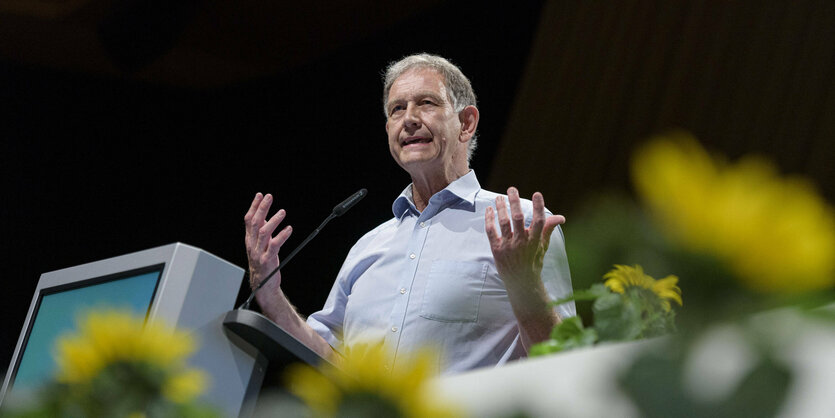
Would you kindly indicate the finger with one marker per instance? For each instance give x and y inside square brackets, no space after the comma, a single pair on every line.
[551,224]
[258,218]
[265,233]
[538,215]
[279,240]
[490,227]
[516,214]
[252,207]
[250,214]
[504,220]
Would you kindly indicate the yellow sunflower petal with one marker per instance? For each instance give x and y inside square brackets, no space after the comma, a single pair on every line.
[667,289]
[185,386]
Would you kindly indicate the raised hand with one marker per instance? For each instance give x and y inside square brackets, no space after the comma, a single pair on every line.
[261,246]
[519,254]
[262,251]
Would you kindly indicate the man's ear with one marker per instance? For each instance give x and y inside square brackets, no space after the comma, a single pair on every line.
[469,122]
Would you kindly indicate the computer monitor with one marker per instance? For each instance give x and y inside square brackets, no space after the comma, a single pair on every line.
[58,308]
[182,285]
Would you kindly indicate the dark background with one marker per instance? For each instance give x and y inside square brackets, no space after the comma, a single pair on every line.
[127,125]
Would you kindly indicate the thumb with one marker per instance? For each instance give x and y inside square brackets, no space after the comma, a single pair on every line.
[551,223]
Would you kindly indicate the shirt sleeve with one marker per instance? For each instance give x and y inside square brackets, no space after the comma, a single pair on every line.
[329,321]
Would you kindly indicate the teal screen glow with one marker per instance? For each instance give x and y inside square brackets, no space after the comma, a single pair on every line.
[57,313]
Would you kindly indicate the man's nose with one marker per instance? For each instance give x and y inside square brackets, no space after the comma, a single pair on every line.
[411,118]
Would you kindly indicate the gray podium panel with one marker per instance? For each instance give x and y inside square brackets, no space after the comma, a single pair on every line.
[180,284]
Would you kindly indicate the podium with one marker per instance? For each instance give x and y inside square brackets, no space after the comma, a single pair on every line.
[181,285]
[271,341]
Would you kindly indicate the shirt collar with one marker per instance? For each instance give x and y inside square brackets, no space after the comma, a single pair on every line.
[463,190]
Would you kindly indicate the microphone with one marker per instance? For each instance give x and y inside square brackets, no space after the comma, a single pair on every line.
[338,210]
[348,203]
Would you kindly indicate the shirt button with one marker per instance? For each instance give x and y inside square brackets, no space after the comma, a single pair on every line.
[423,224]
[412,256]
[402,290]
[393,329]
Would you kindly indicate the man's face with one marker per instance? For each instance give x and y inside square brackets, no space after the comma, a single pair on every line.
[424,131]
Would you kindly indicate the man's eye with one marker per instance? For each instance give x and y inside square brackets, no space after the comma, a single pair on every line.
[396,109]
[427,102]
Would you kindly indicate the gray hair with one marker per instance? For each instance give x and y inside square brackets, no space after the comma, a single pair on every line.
[457,85]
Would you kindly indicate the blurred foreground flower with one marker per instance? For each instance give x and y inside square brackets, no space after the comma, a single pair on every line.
[630,305]
[743,240]
[119,365]
[776,234]
[109,338]
[364,386]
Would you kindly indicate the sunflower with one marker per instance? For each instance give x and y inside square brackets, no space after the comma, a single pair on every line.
[776,233]
[364,385]
[114,338]
[622,278]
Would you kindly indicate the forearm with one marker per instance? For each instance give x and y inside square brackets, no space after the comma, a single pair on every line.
[532,308]
[278,308]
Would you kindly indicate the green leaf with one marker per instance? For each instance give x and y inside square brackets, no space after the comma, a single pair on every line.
[567,329]
[592,293]
[544,348]
[616,318]
[567,335]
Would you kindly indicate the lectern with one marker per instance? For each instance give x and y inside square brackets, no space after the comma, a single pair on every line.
[182,285]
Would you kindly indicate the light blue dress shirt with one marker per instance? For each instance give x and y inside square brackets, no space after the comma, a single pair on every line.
[428,279]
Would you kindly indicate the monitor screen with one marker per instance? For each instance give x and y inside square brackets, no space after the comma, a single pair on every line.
[58,308]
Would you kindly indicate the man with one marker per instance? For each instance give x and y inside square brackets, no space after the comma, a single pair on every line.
[458,269]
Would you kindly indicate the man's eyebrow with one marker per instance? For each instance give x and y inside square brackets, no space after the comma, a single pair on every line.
[431,94]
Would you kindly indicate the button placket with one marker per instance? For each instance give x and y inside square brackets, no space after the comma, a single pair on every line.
[419,231]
